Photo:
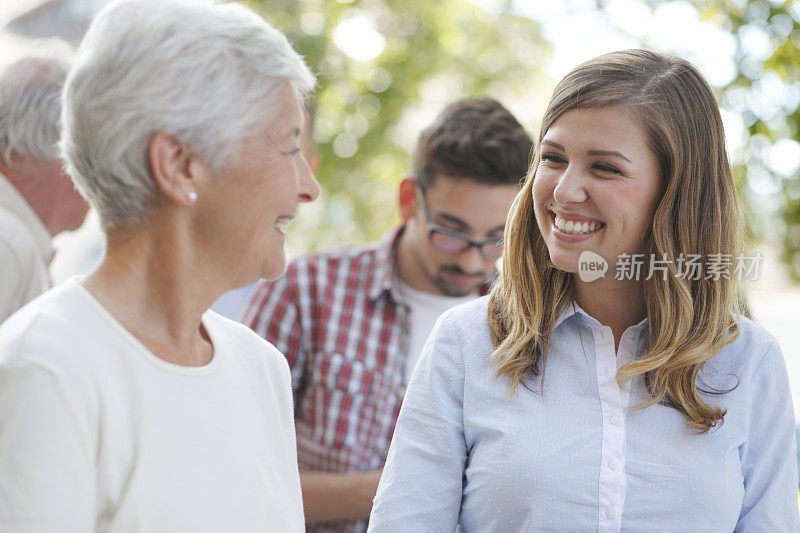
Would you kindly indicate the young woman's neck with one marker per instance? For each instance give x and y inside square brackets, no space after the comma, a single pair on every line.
[616,304]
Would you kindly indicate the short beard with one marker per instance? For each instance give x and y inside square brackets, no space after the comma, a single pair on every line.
[445,288]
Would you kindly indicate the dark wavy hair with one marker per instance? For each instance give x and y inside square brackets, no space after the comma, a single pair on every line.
[476,139]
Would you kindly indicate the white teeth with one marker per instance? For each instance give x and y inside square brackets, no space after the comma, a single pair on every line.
[576,227]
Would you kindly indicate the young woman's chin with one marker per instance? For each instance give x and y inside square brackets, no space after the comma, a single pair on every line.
[566,262]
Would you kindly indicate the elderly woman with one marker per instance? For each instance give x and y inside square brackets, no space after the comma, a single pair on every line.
[124,406]
[569,401]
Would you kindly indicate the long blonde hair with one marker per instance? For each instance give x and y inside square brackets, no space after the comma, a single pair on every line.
[689,320]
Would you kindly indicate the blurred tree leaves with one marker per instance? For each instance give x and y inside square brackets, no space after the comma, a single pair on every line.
[766,91]
[461,48]
[376,59]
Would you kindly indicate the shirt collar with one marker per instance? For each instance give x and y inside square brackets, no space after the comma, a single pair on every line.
[385,279]
[567,310]
[571,308]
[12,201]
[385,271]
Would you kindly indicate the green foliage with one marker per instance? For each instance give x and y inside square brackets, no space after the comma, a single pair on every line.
[780,21]
[461,48]
[451,46]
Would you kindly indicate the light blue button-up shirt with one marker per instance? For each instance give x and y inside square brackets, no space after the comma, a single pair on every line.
[578,457]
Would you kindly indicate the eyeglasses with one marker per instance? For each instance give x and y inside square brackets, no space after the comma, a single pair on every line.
[452,241]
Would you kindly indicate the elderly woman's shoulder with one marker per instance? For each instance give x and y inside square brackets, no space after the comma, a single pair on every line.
[250,345]
[45,326]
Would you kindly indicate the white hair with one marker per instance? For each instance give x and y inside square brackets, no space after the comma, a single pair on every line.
[207,74]
[30,102]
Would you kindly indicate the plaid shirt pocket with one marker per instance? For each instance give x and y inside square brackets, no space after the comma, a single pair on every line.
[337,390]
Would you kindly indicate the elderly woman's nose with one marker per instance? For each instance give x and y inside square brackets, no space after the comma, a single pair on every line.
[571,187]
[309,186]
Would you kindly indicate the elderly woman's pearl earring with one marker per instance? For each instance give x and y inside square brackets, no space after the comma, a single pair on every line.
[192,197]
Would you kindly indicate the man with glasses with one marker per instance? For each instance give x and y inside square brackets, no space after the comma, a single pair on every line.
[352,322]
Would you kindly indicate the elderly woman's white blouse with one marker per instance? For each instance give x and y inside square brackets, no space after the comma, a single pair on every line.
[577,457]
[98,434]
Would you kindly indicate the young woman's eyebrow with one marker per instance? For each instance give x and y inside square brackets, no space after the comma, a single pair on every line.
[590,152]
[607,152]
[554,145]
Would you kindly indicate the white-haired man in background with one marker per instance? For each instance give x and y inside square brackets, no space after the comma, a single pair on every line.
[37,199]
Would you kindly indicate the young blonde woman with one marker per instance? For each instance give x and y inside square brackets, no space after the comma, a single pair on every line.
[636,401]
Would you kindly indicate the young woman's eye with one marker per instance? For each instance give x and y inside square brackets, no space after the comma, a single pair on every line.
[553,158]
[607,168]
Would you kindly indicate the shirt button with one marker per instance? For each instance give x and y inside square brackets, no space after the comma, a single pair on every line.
[613,464]
[614,419]
[610,513]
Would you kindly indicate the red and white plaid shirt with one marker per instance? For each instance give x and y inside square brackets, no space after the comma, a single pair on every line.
[337,318]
